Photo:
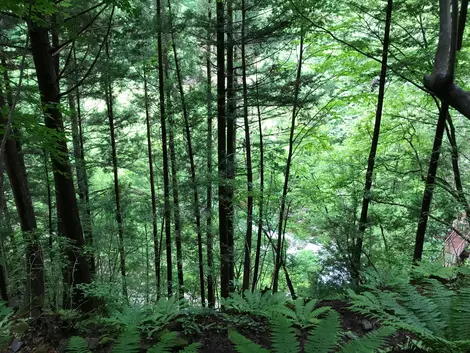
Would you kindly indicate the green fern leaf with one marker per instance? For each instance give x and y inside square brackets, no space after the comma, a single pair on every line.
[77,344]
[283,335]
[192,348]
[165,345]
[243,344]
[370,343]
[128,341]
[325,336]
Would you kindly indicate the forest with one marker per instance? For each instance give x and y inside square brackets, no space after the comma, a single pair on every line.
[279,176]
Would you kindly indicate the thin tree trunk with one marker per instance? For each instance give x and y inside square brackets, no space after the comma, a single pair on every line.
[462,21]
[117,191]
[152,185]
[261,198]
[210,235]
[196,207]
[231,143]
[166,180]
[5,232]
[278,254]
[249,179]
[81,177]
[429,186]
[176,211]
[222,155]
[356,255]
[450,130]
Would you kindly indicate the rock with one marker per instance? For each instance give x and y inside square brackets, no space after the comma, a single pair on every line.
[62,345]
[93,343]
[20,328]
[16,345]
[106,340]
[367,325]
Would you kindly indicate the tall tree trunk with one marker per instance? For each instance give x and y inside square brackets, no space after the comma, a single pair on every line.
[261,199]
[278,255]
[222,155]
[166,180]
[176,210]
[231,142]
[16,172]
[5,232]
[152,184]
[357,251]
[450,130]
[249,179]
[196,206]
[117,191]
[429,186]
[80,168]
[210,235]
[66,201]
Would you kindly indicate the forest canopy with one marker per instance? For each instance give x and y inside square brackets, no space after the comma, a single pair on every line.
[196,149]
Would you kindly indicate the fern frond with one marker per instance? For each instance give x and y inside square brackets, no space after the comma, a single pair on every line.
[324,337]
[77,344]
[128,341]
[370,343]
[244,345]
[165,345]
[192,348]
[283,335]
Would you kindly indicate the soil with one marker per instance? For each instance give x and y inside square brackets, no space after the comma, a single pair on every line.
[50,333]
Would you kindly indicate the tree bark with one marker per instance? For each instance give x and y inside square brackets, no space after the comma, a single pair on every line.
[66,201]
[166,180]
[261,199]
[117,191]
[429,186]
[278,255]
[152,184]
[192,164]
[16,172]
[209,235]
[249,178]
[357,251]
[222,155]
[231,144]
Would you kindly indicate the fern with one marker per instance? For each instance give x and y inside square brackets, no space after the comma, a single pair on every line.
[325,336]
[192,348]
[304,314]
[323,339]
[370,343]
[283,335]
[128,341]
[159,314]
[257,303]
[77,344]
[244,345]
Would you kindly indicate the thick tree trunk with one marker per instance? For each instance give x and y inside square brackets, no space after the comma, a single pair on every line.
[16,171]
[152,184]
[66,201]
[210,235]
[249,179]
[429,186]
[261,198]
[192,164]
[166,179]
[222,155]
[282,217]
[357,251]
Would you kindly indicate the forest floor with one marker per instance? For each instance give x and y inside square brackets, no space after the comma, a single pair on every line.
[51,333]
